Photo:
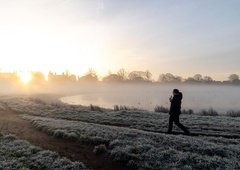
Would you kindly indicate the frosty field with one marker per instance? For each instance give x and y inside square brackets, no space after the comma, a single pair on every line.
[136,138]
[18,154]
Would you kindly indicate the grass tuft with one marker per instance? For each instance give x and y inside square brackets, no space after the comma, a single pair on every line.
[95,108]
[209,112]
[124,108]
[161,109]
[233,113]
[187,111]
[101,150]
[37,100]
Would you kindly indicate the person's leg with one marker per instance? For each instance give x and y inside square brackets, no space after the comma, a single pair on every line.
[176,121]
[170,125]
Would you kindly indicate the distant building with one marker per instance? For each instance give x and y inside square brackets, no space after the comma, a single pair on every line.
[9,77]
[54,77]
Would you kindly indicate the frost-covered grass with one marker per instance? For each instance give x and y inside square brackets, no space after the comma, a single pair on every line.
[124,107]
[147,150]
[20,155]
[161,109]
[142,120]
[130,136]
[233,113]
[209,112]
[1,107]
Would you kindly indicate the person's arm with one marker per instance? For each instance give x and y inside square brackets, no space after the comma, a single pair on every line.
[174,105]
[170,98]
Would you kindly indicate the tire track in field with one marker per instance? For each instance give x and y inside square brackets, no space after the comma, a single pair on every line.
[12,123]
[197,134]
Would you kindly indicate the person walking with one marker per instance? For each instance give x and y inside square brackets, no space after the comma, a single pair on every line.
[175,111]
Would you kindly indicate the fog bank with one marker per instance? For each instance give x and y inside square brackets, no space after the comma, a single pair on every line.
[196,97]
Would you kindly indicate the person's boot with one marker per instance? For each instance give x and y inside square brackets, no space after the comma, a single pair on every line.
[186,132]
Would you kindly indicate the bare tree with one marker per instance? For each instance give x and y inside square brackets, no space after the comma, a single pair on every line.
[190,80]
[38,77]
[178,79]
[198,77]
[112,78]
[148,75]
[207,79]
[90,76]
[122,73]
[162,78]
[169,78]
[136,76]
[91,72]
[233,78]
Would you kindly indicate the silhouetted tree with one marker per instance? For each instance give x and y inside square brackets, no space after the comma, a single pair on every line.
[122,73]
[91,72]
[162,78]
[38,78]
[136,76]
[148,75]
[69,76]
[90,76]
[178,79]
[140,76]
[190,80]
[198,77]
[207,79]
[233,78]
[169,78]
[112,78]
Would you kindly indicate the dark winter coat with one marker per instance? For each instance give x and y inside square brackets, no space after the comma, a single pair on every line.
[175,108]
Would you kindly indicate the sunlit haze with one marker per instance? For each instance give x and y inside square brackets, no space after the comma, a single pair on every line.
[25,77]
[179,37]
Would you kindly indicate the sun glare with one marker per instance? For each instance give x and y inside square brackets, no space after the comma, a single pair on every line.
[25,77]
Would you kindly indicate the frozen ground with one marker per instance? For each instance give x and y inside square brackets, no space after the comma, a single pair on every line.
[20,155]
[136,137]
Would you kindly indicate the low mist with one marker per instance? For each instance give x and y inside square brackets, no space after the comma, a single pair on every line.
[221,98]
[196,97]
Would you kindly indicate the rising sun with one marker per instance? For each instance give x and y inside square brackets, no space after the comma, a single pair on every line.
[24,76]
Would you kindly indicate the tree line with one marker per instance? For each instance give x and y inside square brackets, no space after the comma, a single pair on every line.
[124,76]
[145,77]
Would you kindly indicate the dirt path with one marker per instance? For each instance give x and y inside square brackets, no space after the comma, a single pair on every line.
[12,123]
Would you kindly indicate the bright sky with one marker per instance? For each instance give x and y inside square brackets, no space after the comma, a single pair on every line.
[181,37]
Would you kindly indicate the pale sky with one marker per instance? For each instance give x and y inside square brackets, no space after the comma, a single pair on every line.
[182,37]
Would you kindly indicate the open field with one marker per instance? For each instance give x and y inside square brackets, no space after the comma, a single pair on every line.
[19,154]
[135,139]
